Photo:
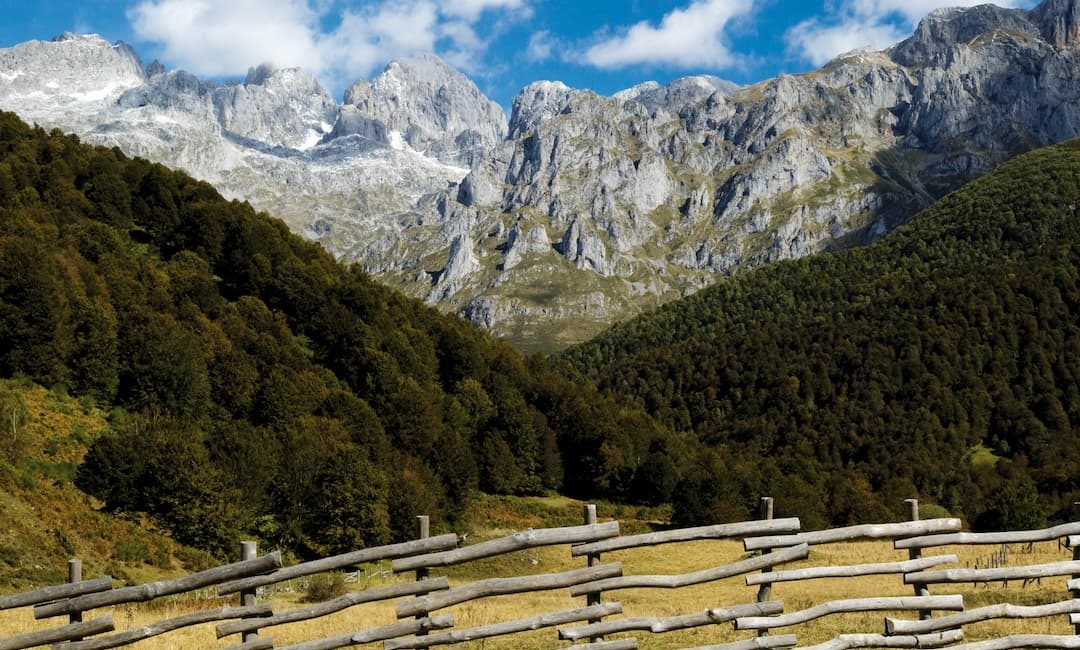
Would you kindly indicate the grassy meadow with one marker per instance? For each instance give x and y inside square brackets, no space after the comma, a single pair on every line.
[498,516]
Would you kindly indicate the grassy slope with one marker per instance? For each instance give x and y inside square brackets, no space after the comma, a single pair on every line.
[46,520]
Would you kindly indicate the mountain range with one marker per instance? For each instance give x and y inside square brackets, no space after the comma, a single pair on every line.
[580,209]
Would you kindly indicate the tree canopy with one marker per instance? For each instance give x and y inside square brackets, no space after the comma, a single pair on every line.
[258,385]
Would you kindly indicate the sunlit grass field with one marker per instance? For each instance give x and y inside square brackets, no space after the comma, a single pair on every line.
[667,559]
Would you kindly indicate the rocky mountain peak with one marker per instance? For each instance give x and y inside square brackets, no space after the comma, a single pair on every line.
[678,94]
[155,68]
[259,74]
[1059,21]
[539,101]
[434,108]
[71,68]
[943,29]
[284,107]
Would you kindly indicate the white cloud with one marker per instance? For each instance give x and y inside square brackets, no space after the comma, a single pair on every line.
[218,38]
[541,46]
[852,24]
[211,37]
[370,37]
[689,37]
[471,9]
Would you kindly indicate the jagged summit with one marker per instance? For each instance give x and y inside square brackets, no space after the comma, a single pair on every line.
[939,33]
[678,93]
[79,69]
[431,104]
[258,75]
[282,107]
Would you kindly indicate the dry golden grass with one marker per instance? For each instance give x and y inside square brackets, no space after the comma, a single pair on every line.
[669,559]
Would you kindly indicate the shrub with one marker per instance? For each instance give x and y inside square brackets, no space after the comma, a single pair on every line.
[324,587]
[131,551]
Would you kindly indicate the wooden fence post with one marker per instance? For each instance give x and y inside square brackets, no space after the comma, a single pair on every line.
[1076,556]
[248,551]
[423,531]
[915,553]
[75,575]
[593,598]
[765,590]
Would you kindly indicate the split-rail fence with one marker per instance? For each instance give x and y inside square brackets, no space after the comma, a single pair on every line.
[935,618]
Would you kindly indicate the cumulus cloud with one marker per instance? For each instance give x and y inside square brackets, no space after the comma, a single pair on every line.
[541,46]
[218,38]
[210,37]
[692,36]
[852,24]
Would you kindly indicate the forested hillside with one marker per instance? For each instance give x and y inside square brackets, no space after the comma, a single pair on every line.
[256,385]
[943,360]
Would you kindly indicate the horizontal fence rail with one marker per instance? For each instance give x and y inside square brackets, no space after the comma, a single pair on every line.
[770,543]
[335,605]
[901,603]
[341,561]
[902,626]
[143,593]
[149,631]
[850,571]
[792,554]
[757,643]
[378,634]
[1021,537]
[716,531]
[659,625]
[621,644]
[855,533]
[504,586]
[510,627]
[509,544]
[1024,641]
[58,634]
[49,594]
[851,641]
[994,575]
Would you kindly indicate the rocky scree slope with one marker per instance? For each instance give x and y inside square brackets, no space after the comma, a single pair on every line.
[583,209]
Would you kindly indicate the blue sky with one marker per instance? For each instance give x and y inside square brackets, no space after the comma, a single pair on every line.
[605,45]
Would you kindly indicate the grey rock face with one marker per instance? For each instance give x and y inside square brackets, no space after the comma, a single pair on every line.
[519,244]
[584,209]
[677,95]
[461,265]
[1059,21]
[77,71]
[659,183]
[281,108]
[434,107]
[536,103]
[583,248]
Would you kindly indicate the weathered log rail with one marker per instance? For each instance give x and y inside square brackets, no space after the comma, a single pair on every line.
[855,533]
[769,543]
[658,625]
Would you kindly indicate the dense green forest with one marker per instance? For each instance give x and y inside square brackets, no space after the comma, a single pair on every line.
[942,361]
[257,386]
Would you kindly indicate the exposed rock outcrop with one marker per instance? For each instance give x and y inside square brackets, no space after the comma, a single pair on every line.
[434,107]
[646,195]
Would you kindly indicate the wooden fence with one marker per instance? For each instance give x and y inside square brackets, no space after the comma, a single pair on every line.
[769,545]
